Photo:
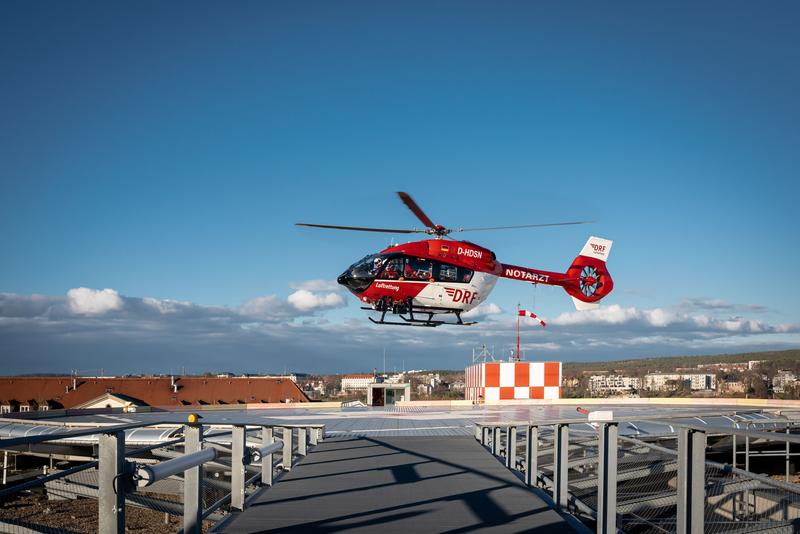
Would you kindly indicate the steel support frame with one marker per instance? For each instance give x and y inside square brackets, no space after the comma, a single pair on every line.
[112,484]
[691,480]
[496,440]
[560,465]
[302,441]
[531,455]
[267,438]
[287,448]
[607,478]
[511,447]
[193,482]
[238,460]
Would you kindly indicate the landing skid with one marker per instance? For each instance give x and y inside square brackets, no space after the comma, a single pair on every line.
[413,320]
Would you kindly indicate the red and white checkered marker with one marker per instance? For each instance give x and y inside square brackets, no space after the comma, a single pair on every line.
[526,313]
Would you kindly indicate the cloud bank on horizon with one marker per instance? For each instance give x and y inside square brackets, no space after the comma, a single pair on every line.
[100,328]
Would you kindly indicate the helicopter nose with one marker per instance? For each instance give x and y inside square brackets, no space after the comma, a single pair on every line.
[343,279]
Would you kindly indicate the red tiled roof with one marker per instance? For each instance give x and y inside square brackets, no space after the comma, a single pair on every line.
[153,391]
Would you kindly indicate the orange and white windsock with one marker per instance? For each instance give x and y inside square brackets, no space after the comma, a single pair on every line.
[526,313]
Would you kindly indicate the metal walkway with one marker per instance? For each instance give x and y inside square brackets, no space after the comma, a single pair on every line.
[398,484]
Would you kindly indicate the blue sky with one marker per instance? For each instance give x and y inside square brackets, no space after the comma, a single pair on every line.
[164,152]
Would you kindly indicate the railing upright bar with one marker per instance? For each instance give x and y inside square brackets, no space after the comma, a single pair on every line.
[237,467]
[691,480]
[302,441]
[607,479]
[193,482]
[111,483]
[313,435]
[511,447]
[496,441]
[561,466]
[267,438]
[287,448]
[531,455]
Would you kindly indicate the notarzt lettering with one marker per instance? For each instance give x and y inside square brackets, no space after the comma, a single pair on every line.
[525,275]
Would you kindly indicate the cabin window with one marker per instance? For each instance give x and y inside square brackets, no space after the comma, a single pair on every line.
[418,269]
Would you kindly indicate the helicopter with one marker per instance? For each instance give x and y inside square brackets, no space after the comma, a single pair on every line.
[421,281]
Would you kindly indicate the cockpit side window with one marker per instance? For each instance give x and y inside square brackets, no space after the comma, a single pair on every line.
[392,269]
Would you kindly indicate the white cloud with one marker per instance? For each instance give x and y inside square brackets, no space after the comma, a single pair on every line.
[483,310]
[87,301]
[304,300]
[316,285]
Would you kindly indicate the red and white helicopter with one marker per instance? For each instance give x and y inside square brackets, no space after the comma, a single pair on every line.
[422,279]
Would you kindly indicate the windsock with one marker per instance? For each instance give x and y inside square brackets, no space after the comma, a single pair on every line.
[526,313]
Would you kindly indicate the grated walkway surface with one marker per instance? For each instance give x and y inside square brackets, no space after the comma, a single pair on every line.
[398,484]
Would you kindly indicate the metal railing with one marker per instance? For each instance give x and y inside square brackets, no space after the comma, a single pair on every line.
[619,483]
[243,458]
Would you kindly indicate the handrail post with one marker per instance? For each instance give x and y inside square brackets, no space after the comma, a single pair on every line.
[691,480]
[496,440]
[266,461]
[302,443]
[193,482]
[112,486]
[486,434]
[511,447]
[531,455]
[237,467]
[607,479]
[560,465]
[287,448]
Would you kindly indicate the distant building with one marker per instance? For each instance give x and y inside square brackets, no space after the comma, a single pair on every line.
[733,386]
[667,382]
[613,384]
[23,394]
[357,382]
[782,379]
[457,385]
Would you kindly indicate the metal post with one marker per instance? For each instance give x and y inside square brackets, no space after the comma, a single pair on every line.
[787,455]
[486,434]
[193,482]
[302,443]
[496,441]
[531,455]
[266,460]
[5,466]
[511,447]
[607,479]
[112,486]
[312,440]
[287,448]
[747,449]
[734,451]
[691,480]
[560,465]
[237,468]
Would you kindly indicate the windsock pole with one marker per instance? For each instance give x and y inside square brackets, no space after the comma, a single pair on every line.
[518,314]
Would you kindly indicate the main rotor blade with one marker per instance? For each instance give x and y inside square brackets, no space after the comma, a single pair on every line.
[521,226]
[362,229]
[409,202]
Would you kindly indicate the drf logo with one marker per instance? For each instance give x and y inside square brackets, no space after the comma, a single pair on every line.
[460,295]
[599,249]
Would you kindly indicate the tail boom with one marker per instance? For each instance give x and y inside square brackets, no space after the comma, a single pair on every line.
[587,280]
